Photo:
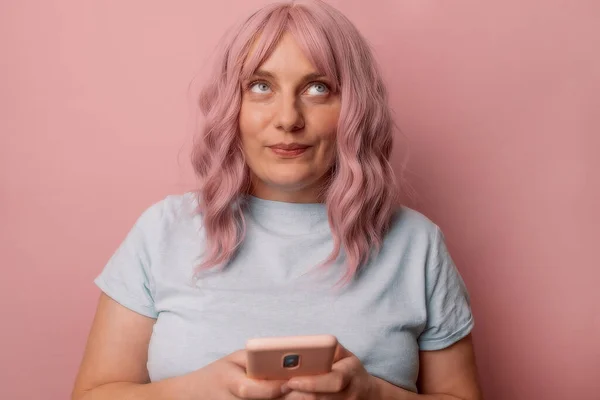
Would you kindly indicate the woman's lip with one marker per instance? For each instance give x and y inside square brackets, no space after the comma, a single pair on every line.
[289,153]
[292,146]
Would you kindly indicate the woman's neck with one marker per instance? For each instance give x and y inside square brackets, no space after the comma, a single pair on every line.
[304,195]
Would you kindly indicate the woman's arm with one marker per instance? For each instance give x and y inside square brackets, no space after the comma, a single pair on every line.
[448,374]
[114,366]
[114,362]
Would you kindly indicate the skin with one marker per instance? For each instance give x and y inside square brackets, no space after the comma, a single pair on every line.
[287,101]
[284,104]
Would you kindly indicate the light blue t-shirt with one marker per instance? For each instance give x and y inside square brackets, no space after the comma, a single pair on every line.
[408,298]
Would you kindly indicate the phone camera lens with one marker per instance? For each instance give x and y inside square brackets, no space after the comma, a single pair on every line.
[291,361]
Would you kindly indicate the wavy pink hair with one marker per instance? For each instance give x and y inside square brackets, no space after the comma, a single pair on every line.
[361,194]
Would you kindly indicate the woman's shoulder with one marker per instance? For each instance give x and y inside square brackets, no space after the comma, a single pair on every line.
[410,223]
[170,212]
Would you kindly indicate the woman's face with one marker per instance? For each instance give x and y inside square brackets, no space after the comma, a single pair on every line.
[288,120]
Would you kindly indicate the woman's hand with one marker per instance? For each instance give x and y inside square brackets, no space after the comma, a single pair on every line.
[348,380]
[225,379]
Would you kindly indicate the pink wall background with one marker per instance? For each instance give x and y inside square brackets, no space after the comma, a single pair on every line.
[499,102]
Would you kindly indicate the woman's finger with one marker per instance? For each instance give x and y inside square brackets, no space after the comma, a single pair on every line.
[238,358]
[316,396]
[340,353]
[333,382]
[246,388]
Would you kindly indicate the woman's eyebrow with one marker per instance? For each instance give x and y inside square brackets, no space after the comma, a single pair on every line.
[266,74]
[263,74]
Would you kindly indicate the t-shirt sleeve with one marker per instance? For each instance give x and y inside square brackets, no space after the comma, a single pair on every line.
[449,316]
[127,276]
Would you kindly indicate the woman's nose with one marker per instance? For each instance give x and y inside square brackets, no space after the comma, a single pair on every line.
[289,116]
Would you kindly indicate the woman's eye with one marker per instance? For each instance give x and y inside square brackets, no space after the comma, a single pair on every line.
[259,87]
[318,89]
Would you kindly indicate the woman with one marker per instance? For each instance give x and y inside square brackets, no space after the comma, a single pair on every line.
[294,174]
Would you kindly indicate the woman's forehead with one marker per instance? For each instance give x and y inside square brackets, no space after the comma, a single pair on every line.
[286,59]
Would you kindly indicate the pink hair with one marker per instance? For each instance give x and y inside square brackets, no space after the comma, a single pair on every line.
[361,195]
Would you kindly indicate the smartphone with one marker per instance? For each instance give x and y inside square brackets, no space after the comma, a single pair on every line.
[285,357]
